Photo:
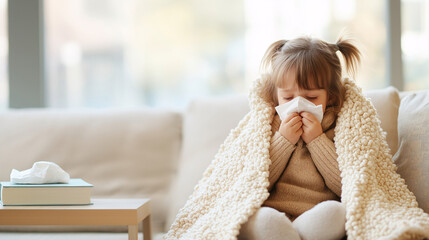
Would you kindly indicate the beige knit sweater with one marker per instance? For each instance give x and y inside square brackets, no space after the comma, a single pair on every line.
[303,175]
[378,203]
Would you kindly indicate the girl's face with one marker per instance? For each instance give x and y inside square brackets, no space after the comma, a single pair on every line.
[291,90]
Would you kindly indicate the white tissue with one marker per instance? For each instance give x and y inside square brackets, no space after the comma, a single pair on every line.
[41,172]
[300,104]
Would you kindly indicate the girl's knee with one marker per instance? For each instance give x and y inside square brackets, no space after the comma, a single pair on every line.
[268,223]
[267,214]
[326,220]
[333,209]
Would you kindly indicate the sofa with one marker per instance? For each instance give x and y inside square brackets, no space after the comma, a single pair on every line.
[161,153]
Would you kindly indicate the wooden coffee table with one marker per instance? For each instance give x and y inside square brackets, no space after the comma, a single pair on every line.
[129,212]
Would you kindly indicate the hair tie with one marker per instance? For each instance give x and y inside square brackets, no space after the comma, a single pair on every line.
[335,47]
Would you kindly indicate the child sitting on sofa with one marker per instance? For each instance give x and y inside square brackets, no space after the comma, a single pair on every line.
[280,179]
[305,182]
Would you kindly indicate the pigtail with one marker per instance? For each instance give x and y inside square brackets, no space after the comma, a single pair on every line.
[268,85]
[351,54]
[270,54]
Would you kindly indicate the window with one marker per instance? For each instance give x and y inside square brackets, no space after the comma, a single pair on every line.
[415,39]
[4,87]
[113,53]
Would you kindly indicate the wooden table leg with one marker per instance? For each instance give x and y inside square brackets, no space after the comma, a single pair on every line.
[147,228]
[133,231]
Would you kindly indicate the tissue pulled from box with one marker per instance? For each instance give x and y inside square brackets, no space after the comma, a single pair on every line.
[41,172]
[300,104]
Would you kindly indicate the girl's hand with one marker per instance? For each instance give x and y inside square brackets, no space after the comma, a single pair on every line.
[311,127]
[290,128]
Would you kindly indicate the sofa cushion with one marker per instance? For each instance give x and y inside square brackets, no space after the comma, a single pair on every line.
[412,158]
[124,153]
[386,101]
[206,124]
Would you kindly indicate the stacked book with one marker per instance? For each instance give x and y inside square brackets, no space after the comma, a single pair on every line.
[76,192]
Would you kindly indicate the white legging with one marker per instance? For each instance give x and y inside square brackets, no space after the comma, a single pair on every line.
[326,220]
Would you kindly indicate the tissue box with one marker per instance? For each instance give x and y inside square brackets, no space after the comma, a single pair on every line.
[76,192]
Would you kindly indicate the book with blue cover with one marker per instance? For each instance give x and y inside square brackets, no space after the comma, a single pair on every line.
[76,192]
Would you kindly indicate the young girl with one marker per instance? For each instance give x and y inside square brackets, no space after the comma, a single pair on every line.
[305,182]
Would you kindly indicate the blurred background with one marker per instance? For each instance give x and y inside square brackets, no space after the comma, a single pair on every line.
[162,53]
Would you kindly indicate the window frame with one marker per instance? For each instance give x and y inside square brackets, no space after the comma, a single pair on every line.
[26,54]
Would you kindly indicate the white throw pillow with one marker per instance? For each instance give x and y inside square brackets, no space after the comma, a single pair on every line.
[412,157]
[386,102]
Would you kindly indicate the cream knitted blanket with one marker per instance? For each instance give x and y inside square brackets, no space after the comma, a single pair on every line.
[379,204]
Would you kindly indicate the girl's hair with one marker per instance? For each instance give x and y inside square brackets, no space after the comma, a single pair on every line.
[315,63]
